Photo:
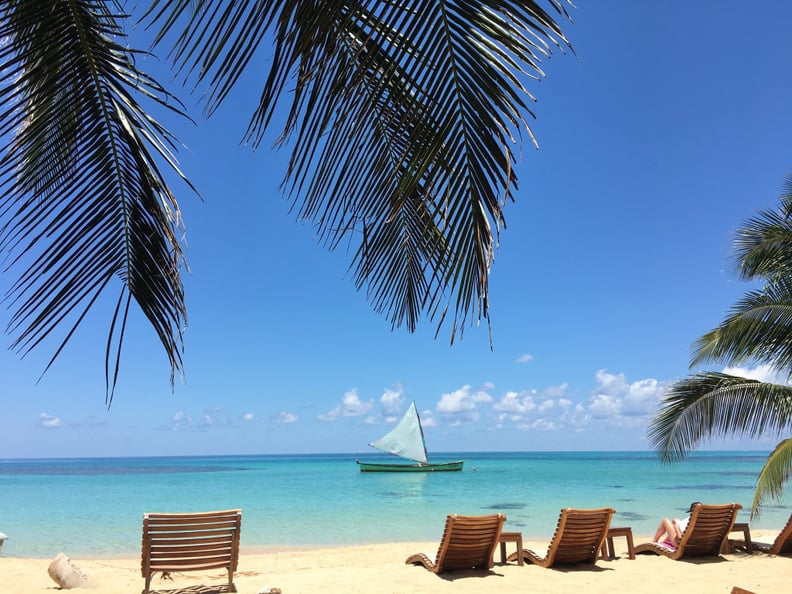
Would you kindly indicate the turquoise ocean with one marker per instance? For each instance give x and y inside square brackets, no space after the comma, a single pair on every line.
[93,507]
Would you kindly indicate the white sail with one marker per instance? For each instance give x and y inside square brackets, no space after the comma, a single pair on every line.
[406,440]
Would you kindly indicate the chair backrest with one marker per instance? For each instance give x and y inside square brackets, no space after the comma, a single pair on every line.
[579,535]
[783,542]
[206,540]
[469,542]
[708,527]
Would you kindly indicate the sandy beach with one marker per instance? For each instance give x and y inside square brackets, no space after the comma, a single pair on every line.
[380,568]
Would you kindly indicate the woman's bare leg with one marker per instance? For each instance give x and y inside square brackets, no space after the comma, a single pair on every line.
[665,527]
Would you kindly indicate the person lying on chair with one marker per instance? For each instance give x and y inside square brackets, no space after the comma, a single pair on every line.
[669,532]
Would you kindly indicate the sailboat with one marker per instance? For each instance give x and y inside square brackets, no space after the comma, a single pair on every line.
[406,440]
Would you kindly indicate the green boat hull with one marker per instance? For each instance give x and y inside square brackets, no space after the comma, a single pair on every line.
[384,467]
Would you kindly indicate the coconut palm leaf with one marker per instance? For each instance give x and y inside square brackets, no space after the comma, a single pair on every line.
[401,122]
[774,475]
[759,328]
[763,247]
[84,206]
[713,404]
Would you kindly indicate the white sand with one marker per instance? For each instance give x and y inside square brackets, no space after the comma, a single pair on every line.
[380,568]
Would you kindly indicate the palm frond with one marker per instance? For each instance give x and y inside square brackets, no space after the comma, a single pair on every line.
[395,106]
[774,475]
[83,200]
[763,248]
[759,328]
[717,404]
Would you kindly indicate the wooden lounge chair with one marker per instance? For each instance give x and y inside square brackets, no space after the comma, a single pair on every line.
[577,539]
[191,542]
[709,525]
[782,545]
[468,542]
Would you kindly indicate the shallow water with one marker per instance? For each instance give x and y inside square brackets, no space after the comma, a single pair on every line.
[93,507]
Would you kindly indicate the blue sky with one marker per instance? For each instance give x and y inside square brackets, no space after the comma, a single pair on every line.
[669,128]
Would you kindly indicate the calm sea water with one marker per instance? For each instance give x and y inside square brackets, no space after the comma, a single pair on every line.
[94,507]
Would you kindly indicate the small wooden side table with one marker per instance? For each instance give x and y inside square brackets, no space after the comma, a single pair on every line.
[743,527]
[515,537]
[625,531]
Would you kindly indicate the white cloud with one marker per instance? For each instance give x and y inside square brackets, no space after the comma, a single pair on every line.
[538,425]
[248,417]
[49,421]
[519,407]
[516,403]
[526,358]
[285,417]
[604,406]
[351,406]
[555,391]
[214,418]
[643,396]
[762,373]
[391,401]
[211,419]
[621,402]
[574,415]
[610,384]
[180,421]
[461,405]
[427,419]
[614,401]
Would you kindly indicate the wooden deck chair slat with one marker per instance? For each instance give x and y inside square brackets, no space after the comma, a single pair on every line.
[781,545]
[577,538]
[193,536]
[706,531]
[191,554]
[190,542]
[468,542]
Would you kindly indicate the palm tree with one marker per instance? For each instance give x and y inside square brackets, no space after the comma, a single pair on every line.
[757,330]
[401,117]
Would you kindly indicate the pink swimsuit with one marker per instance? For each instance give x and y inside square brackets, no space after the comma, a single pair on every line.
[669,544]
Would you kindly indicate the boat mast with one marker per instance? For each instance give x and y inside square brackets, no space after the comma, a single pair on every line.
[420,426]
